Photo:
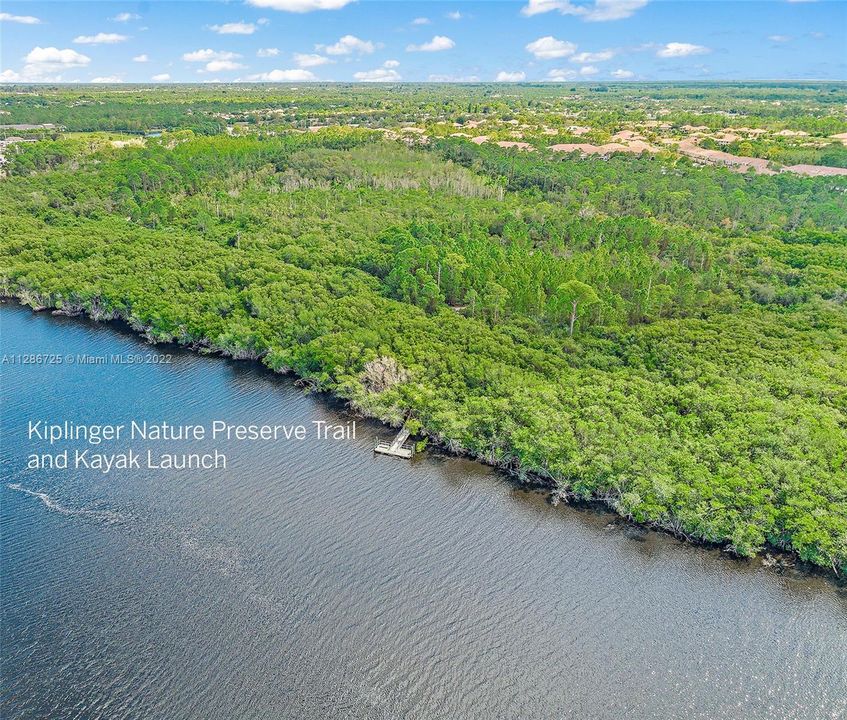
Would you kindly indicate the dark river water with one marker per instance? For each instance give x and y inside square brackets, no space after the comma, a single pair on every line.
[313,579]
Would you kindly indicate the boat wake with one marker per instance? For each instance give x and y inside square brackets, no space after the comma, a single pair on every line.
[107,516]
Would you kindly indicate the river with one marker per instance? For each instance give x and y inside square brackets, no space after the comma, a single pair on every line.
[315,580]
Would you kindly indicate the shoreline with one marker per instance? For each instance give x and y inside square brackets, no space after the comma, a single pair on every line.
[769,556]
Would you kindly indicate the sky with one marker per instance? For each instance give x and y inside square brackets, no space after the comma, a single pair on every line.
[412,41]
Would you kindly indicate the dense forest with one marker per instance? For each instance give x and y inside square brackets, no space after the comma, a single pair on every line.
[666,338]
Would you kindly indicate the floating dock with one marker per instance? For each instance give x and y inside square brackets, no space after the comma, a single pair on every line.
[401,446]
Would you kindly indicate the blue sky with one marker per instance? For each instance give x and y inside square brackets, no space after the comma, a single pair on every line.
[370,40]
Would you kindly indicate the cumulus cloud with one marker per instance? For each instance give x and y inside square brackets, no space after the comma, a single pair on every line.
[141,58]
[161,77]
[348,45]
[100,39]
[46,65]
[234,28]
[455,15]
[126,17]
[391,64]
[305,60]
[209,54]
[678,49]
[438,43]
[421,21]
[622,74]
[382,74]
[562,74]
[779,38]
[267,52]
[223,66]
[592,57]
[597,11]
[504,76]
[548,47]
[55,59]
[21,19]
[299,6]
[106,79]
[294,75]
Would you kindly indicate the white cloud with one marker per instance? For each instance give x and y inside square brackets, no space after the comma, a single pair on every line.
[223,66]
[299,6]
[453,78]
[548,47]
[141,58]
[263,21]
[391,64]
[562,74]
[209,54]
[22,19]
[126,17]
[537,7]
[161,77]
[378,75]
[100,39]
[678,49]
[106,79]
[267,52]
[438,43]
[588,70]
[779,38]
[46,65]
[305,60]
[504,76]
[592,57]
[622,74]
[348,45]
[455,15]
[598,11]
[421,21]
[296,75]
[59,58]
[234,28]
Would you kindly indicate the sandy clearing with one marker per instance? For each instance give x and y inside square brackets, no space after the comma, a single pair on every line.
[636,147]
[718,157]
[816,170]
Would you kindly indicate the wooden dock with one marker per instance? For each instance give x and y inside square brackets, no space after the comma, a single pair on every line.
[401,446]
